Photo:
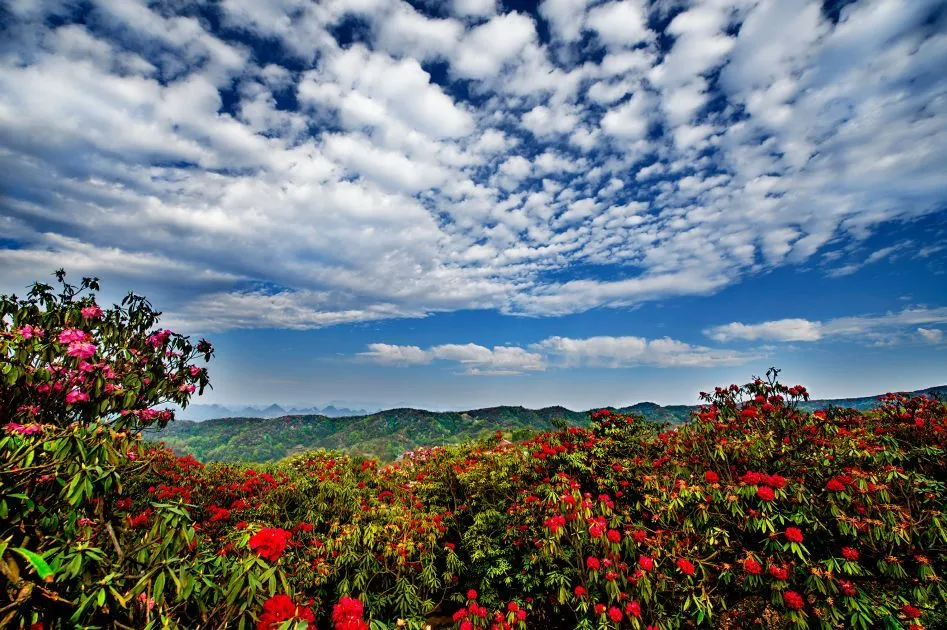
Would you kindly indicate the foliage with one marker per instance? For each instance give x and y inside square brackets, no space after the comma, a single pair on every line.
[756,513]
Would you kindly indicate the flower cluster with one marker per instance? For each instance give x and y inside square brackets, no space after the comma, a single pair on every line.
[281,608]
[270,542]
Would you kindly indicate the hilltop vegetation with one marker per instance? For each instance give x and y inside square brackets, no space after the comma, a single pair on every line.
[756,514]
[384,435]
[387,434]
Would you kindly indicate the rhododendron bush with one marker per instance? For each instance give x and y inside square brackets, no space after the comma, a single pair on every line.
[753,514]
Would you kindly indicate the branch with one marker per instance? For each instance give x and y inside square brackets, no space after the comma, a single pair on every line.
[118,548]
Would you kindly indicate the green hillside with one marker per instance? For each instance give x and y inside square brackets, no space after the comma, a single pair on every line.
[387,434]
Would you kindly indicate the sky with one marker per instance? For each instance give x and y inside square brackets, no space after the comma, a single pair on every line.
[460,203]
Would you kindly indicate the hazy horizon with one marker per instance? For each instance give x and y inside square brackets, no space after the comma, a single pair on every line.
[372,407]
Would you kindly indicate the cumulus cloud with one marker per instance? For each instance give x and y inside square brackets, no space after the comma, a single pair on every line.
[778,330]
[622,23]
[560,352]
[854,326]
[618,352]
[475,359]
[931,335]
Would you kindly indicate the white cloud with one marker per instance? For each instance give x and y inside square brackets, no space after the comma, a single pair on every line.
[383,87]
[778,330]
[854,326]
[565,17]
[543,121]
[560,352]
[630,120]
[931,335]
[475,359]
[407,32]
[516,166]
[618,352]
[484,50]
[477,8]
[388,354]
[620,23]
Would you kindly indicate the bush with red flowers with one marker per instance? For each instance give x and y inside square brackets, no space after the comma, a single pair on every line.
[753,514]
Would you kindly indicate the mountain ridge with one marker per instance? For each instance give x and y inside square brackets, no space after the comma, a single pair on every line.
[388,433]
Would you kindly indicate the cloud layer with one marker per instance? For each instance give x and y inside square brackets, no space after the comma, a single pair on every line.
[560,352]
[290,164]
[879,328]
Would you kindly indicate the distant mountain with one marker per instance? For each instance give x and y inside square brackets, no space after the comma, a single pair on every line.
[202,412]
[387,434]
[868,402]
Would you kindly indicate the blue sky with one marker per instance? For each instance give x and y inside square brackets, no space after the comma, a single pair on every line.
[463,203]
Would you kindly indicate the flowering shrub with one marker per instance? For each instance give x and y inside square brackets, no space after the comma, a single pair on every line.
[78,384]
[753,514]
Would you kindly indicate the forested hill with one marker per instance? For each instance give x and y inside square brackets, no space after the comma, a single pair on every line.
[387,434]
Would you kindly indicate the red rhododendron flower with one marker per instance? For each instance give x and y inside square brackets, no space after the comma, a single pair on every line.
[599,609]
[140,520]
[711,477]
[580,591]
[752,478]
[752,567]
[793,600]
[911,612]
[270,542]
[466,625]
[280,608]
[614,613]
[848,589]
[765,493]
[686,566]
[793,534]
[646,563]
[471,594]
[775,481]
[512,607]
[633,609]
[780,573]
[850,554]
[614,536]
[592,563]
[347,615]
[834,485]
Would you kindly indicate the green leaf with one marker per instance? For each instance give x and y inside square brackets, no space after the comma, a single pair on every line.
[158,589]
[39,565]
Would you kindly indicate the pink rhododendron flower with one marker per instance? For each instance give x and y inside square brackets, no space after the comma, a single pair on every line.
[72,335]
[81,350]
[159,338]
[75,396]
[29,332]
[23,429]
[92,312]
